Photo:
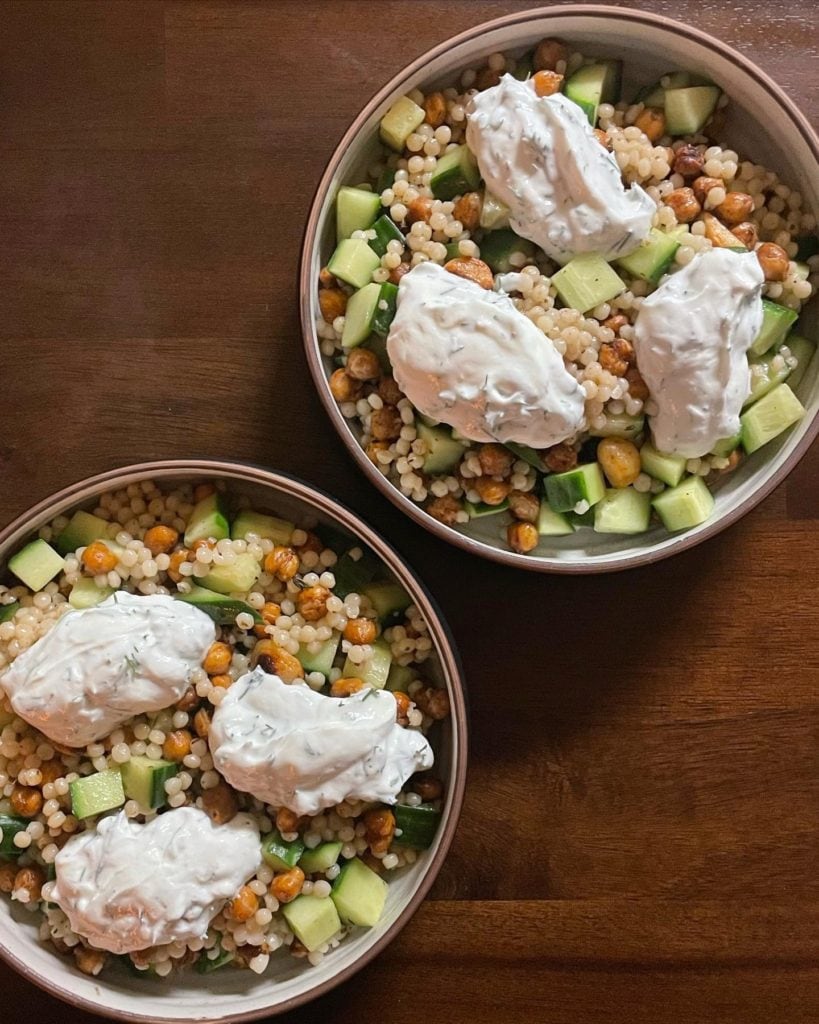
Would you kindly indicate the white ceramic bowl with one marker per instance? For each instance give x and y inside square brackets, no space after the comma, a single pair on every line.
[763,123]
[233,995]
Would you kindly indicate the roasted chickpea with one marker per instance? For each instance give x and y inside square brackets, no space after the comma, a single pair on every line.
[548,53]
[50,771]
[468,210]
[223,680]
[602,137]
[98,558]
[326,279]
[546,82]
[651,123]
[177,559]
[616,356]
[332,303]
[472,269]
[243,905]
[90,961]
[372,450]
[286,820]
[522,537]
[360,631]
[560,458]
[276,661]
[32,879]
[637,387]
[492,492]
[487,78]
[434,703]
[202,491]
[386,423]
[524,506]
[380,826]
[201,723]
[435,109]
[389,391]
[218,658]
[26,801]
[270,612]
[420,209]
[688,162]
[346,686]
[159,540]
[445,509]
[286,886]
[8,872]
[402,708]
[735,208]
[363,364]
[177,745]
[312,602]
[620,460]
[703,185]
[188,700]
[495,459]
[220,803]
[398,272]
[282,562]
[342,386]
[774,261]
[427,787]
[717,233]
[747,233]
[684,204]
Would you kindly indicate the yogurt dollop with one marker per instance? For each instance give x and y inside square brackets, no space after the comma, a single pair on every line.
[99,666]
[691,339]
[125,886]
[291,747]
[563,189]
[468,357]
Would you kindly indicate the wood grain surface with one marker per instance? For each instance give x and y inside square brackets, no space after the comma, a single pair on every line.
[639,842]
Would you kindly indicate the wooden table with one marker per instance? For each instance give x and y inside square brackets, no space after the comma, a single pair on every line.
[639,842]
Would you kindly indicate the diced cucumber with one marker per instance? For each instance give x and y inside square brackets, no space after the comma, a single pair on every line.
[668,468]
[587,281]
[204,965]
[400,677]
[524,68]
[776,322]
[803,351]
[280,854]
[378,345]
[455,173]
[386,179]
[265,527]
[654,95]
[352,575]
[620,425]
[374,671]
[498,246]
[95,794]
[769,417]
[370,309]
[723,448]
[763,375]
[144,780]
[687,110]
[233,577]
[418,825]
[583,483]
[386,231]
[385,309]
[81,530]
[807,246]
[622,510]
[579,520]
[443,452]
[551,523]
[354,262]
[320,858]
[313,920]
[86,594]
[652,257]
[688,504]
[481,509]
[322,660]
[400,121]
[223,610]
[8,611]
[359,894]
[10,825]
[594,84]
[387,598]
[36,564]
[208,520]
[494,213]
[523,451]
[356,210]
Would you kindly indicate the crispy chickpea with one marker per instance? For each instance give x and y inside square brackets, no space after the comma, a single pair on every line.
[286,886]
[218,658]
[684,204]
[188,700]
[346,686]
[360,631]
[717,232]
[286,820]
[487,78]
[546,82]
[98,558]
[492,492]
[276,661]
[220,803]
[602,137]
[616,356]
[8,872]
[688,162]
[703,185]
[380,826]
[202,491]
[373,448]
[177,745]
[177,559]
[201,723]
[386,423]
[735,208]
[524,506]
[522,537]
[402,708]
[159,540]
[445,509]
[326,279]
[619,460]
[363,364]
[282,562]
[472,269]
[31,878]
[223,680]
[432,702]
[244,904]
[747,233]
[560,458]
[50,771]
[342,386]
[389,391]
[270,611]
[468,210]
[774,261]
[312,542]
[420,209]
[651,123]
[495,460]
[734,460]
[548,53]
[427,787]
[398,272]
[637,387]
[90,961]
[312,602]
[26,801]
[435,109]
[332,303]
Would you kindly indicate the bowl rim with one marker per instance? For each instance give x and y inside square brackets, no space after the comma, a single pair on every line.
[451,667]
[605,563]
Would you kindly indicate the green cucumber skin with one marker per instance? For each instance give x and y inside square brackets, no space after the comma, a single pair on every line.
[10,825]
[418,825]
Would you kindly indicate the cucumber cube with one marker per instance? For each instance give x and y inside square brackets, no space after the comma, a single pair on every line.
[82,529]
[386,231]
[443,451]
[494,213]
[684,506]
[481,509]
[387,598]
[594,84]
[144,780]
[766,372]
[356,209]
[223,610]
[10,825]
[769,417]
[622,510]
[400,677]
[266,527]
[587,281]
[359,315]
[208,520]
[351,574]
[359,894]
[36,564]
[204,965]
[375,670]
[722,449]
[385,308]
[688,109]
[86,594]
[320,858]
[280,854]
[551,523]
[95,794]
[652,257]
[620,425]
[354,262]
[236,577]
[313,920]
[455,173]
[418,825]
[497,247]
[322,660]
[668,468]
[803,351]
[776,322]
[7,612]
[583,483]
[400,121]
